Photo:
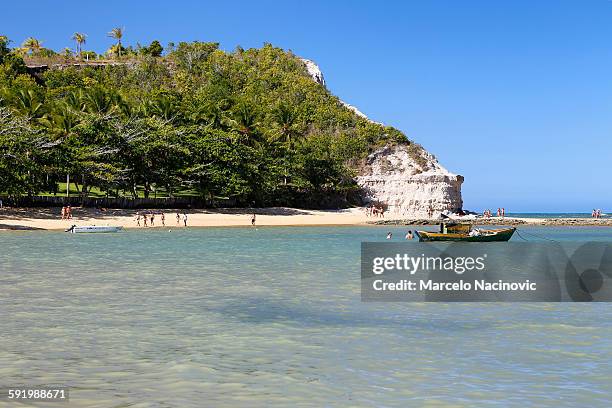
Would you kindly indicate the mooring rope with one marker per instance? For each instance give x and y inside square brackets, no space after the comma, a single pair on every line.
[533,235]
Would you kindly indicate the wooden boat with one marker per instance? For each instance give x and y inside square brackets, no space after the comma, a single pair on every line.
[465,233]
[93,229]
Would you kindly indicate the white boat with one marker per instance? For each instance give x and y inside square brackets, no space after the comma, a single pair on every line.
[93,228]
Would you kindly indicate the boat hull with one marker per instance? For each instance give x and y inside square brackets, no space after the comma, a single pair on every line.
[501,235]
[94,229]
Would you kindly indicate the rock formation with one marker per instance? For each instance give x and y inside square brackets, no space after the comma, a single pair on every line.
[408,185]
[314,71]
[405,178]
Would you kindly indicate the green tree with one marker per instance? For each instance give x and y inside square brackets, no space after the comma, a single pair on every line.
[154,49]
[117,34]
[32,45]
[284,116]
[80,39]
[4,48]
[11,64]
[245,120]
[29,103]
[24,154]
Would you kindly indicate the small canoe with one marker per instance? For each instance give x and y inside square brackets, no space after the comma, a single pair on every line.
[93,229]
[465,233]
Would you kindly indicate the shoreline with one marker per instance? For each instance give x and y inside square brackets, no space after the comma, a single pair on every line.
[33,219]
[508,221]
[23,219]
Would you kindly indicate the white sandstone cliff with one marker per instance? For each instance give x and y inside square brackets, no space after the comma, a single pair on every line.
[409,185]
[314,71]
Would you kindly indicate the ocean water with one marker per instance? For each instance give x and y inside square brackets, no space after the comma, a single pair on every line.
[272,317]
[554,215]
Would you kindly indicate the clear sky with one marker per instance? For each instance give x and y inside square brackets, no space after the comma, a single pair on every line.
[514,95]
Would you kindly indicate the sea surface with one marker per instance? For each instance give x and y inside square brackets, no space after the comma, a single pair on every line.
[272,317]
[554,215]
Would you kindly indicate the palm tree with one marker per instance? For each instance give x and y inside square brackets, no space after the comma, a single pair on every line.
[162,107]
[80,39]
[61,119]
[210,113]
[97,100]
[75,100]
[29,103]
[285,118]
[32,44]
[117,34]
[246,120]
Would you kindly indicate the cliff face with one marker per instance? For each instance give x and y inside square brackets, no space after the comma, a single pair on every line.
[407,179]
[409,187]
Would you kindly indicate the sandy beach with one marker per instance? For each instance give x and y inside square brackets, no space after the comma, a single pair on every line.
[50,218]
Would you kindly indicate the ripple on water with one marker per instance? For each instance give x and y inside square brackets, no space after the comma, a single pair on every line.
[238,317]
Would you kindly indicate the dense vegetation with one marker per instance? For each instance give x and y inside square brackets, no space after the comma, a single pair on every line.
[250,124]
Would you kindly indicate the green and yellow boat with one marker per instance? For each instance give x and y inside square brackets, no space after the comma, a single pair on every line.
[451,231]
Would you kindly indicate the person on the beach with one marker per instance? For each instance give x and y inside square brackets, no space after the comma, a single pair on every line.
[253,219]
[64,212]
[185,218]
[499,212]
[163,219]
[152,219]
[382,212]
[409,235]
[389,235]
[69,211]
[137,219]
[593,213]
[503,212]
[144,220]
[178,219]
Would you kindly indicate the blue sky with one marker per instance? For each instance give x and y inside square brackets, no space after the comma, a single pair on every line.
[513,95]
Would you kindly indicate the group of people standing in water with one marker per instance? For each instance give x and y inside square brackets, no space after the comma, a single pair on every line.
[596,213]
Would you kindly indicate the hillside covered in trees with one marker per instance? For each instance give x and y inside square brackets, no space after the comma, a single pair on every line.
[249,125]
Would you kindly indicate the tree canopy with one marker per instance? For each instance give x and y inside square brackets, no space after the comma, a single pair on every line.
[249,124]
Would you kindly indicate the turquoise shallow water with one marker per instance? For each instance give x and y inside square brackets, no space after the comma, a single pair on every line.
[554,215]
[272,317]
